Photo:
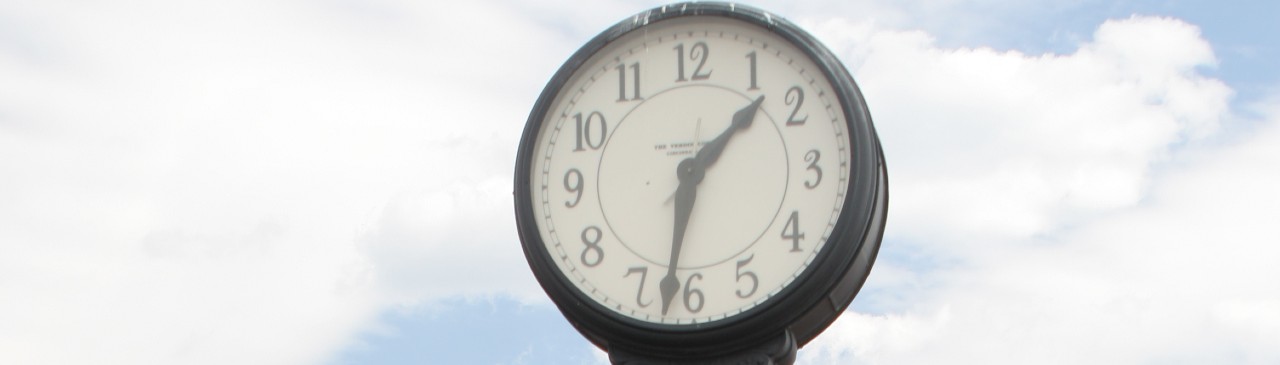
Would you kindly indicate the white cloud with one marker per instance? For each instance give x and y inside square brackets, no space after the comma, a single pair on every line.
[192,183]
[1182,278]
[1076,208]
[446,241]
[1007,145]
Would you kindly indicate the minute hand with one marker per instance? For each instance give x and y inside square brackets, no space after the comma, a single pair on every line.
[690,172]
[710,152]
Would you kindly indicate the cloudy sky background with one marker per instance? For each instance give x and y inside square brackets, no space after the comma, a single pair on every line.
[329,182]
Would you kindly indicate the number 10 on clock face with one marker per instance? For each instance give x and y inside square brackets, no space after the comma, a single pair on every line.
[690,173]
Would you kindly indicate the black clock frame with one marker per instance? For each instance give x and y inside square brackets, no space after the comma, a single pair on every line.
[808,305]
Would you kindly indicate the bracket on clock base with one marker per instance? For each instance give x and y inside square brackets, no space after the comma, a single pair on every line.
[781,350]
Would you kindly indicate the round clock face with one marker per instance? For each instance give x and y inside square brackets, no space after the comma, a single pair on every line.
[690,171]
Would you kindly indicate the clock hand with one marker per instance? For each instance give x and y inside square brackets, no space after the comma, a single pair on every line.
[710,152]
[690,174]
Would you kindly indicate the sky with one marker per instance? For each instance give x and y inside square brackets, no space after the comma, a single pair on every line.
[329,182]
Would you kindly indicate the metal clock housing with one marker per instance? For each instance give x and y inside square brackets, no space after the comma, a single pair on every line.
[699,179]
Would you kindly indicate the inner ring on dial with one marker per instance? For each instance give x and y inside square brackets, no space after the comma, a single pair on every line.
[737,201]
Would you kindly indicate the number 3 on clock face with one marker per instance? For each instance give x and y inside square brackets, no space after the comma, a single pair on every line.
[689,173]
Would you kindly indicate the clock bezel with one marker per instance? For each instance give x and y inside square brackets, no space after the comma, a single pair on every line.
[807,305]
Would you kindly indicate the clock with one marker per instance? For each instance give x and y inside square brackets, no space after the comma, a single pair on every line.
[698,181]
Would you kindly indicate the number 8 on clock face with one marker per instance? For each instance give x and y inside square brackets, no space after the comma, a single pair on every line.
[689,173]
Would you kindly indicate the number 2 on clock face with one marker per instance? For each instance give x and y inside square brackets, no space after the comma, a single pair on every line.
[726,123]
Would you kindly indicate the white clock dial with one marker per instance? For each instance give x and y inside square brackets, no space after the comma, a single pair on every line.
[766,151]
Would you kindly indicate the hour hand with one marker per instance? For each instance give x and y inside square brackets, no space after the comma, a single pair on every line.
[741,120]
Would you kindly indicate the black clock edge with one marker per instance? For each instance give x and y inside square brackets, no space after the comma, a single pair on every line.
[726,337]
[823,313]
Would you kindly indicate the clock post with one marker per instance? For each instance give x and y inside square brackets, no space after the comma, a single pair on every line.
[781,350]
[701,183]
